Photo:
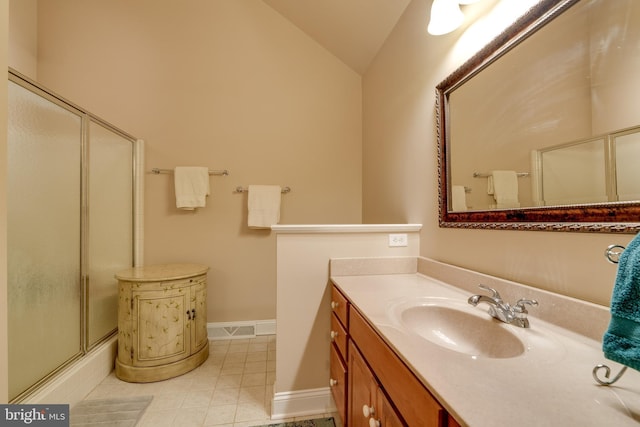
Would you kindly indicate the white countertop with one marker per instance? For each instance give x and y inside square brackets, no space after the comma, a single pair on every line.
[550,384]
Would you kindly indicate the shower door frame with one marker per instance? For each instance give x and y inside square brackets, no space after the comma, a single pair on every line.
[83,316]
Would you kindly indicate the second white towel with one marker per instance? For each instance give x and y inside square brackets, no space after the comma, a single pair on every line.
[192,186]
[264,205]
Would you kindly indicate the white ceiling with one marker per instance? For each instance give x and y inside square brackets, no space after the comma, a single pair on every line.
[353,30]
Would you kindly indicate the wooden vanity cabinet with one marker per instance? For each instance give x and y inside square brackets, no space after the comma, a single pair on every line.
[380,389]
[162,321]
[413,401]
[338,350]
[368,405]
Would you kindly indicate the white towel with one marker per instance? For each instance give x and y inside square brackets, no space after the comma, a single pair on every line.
[192,186]
[504,187]
[458,198]
[264,205]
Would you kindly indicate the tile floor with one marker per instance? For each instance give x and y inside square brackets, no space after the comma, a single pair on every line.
[232,388]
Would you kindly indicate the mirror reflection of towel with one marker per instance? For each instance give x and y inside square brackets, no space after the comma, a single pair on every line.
[264,205]
[504,187]
[458,198]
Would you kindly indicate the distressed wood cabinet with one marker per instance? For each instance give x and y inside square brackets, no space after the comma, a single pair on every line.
[162,321]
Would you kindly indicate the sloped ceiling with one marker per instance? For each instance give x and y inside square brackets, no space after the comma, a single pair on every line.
[353,30]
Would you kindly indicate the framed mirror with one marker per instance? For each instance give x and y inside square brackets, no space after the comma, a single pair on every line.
[540,130]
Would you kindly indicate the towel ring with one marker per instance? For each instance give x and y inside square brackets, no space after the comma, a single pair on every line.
[607,373]
[613,252]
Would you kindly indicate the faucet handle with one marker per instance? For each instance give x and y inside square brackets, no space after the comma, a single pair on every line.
[494,294]
[519,307]
[520,312]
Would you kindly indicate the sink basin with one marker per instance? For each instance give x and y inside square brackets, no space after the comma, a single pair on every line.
[458,328]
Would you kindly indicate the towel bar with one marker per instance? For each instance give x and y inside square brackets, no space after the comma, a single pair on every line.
[157,171]
[487,175]
[240,189]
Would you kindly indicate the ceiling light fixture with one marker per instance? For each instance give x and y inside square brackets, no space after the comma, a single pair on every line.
[446,16]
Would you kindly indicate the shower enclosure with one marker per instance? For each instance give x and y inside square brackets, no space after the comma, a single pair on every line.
[595,170]
[71,227]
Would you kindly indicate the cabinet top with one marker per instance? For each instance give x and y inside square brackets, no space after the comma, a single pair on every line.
[154,273]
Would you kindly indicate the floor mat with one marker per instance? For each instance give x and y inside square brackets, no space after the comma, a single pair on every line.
[123,412]
[320,422]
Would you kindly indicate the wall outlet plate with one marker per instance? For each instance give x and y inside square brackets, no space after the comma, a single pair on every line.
[398,240]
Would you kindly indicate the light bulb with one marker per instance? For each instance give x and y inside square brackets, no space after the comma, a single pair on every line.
[446,16]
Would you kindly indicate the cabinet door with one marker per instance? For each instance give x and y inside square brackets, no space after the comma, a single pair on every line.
[199,316]
[451,422]
[387,415]
[161,332]
[362,390]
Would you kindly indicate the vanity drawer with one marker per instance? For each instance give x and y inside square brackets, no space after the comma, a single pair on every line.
[338,381]
[339,336]
[340,306]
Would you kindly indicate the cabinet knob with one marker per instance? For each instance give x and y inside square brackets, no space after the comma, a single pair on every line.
[367,411]
[333,382]
[334,335]
[334,305]
[188,315]
[373,422]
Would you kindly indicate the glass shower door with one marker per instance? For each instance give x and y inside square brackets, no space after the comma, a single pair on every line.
[627,149]
[44,241]
[110,226]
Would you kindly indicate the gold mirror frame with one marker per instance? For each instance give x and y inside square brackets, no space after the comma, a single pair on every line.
[615,217]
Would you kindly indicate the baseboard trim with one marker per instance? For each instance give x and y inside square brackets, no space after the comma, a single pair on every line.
[302,403]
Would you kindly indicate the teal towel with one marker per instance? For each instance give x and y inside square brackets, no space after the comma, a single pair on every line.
[621,342]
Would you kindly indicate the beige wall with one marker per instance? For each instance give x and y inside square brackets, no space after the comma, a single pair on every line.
[4,362]
[303,320]
[615,76]
[23,36]
[400,165]
[226,84]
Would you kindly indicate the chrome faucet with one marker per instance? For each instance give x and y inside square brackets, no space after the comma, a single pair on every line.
[516,315]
